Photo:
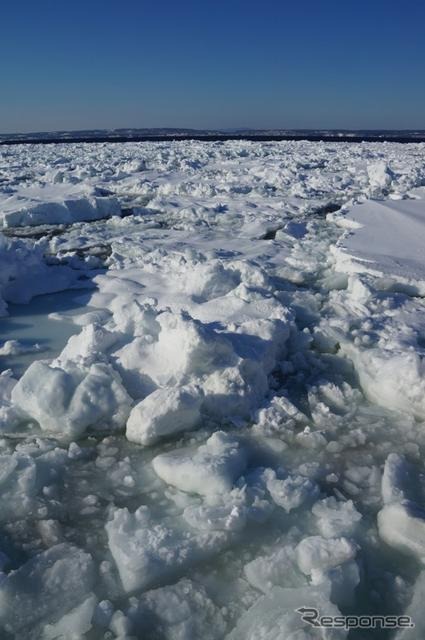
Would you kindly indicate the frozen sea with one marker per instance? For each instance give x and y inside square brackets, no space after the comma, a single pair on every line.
[212,389]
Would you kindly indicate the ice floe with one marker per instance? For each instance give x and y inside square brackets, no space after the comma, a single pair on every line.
[233,429]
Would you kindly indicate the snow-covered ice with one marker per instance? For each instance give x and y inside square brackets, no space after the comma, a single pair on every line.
[212,388]
[212,468]
[55,203]
[386,238]
[164,412]
[46,587]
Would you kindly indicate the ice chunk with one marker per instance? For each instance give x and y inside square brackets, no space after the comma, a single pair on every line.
[317,553]
[184,347]
[164,412]
[392,377]
[278,418]
[228,517]
[68,401]
[9,416]
[394,478]
[274,616]
[73,624]
[18,486]
[231,367]
[120,625]
[56,204]
[277,569]
[103,614]
[92,340]
[210,469]
[182,611]
[24,272]
[209,281]
[133,317]
[233,392]
[336,518]
[263,340]
[291,492]
[147,552]
[388,241]
[230,511]
[402,525]
[47,587]
[14,347]
[401,522]
[380,175]
[416,612]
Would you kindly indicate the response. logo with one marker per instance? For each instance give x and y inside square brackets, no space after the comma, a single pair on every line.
[312,616]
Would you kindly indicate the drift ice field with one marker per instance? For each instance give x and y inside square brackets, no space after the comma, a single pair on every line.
[212,389]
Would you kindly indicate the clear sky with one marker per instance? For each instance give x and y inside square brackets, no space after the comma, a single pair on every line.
[80,64]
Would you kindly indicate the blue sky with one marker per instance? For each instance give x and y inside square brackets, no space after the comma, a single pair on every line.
[229,63]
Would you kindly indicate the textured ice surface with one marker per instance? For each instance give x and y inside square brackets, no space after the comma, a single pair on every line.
[386,238]
[44,588]
[57,203]
[212,468]
[164,412]
[182,610]
[233,426]
[71,398]
[149,552]
[274,617]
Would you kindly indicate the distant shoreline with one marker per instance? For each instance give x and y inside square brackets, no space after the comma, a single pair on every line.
[69,138]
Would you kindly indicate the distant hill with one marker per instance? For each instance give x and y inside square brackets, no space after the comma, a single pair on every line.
[164,134]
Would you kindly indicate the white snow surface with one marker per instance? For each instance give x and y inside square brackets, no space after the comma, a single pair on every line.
[386,238]
[236,429]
